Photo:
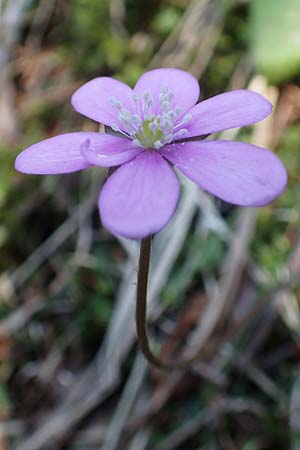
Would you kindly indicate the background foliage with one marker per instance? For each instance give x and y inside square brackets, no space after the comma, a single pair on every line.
[70,374]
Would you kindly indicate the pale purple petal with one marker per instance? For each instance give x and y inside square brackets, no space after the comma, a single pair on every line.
[229,110]
[59,154]
[184,86]
[93,99]
[236,172]
[109,150]
[139,198]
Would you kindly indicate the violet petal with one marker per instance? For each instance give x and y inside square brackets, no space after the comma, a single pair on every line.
[184,86]
[109,151]
[140,198]
[228,110]
[58,154]
[93,99]
[239,173]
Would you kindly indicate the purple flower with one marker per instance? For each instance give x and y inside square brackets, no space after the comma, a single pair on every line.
[152,121]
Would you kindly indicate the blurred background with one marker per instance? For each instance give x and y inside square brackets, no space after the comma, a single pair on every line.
[224,280]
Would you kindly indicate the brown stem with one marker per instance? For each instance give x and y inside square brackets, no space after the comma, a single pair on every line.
[141,313]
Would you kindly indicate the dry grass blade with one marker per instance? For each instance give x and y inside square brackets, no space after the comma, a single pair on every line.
[205,16]
[58,237]
[114,431]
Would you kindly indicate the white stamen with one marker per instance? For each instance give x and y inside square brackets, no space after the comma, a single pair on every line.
[147,103]
[136,119]
[180,133]
[115,127]
[169,138]
[158,144]
[166,125]
[178,111]
[115,103]
[166,106]
[185,119]
[118,130]
[150,130]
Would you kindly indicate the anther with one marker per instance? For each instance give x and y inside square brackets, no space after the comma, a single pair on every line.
[166,106]
[158,144]
[115,103]
[178,111]
[180,133]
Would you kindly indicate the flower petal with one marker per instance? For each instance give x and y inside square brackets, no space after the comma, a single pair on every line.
[59,154]
[184,86]
[109,150]
[93,99]
[229,110]
[139,198]
[236,172]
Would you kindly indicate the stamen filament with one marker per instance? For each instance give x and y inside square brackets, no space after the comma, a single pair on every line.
[149,130]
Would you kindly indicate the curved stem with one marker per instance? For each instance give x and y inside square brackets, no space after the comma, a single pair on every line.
[141,313]
[141,303]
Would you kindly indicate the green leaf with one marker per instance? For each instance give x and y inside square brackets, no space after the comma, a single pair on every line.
[275,38]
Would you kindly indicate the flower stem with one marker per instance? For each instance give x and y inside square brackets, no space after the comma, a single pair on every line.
[141,303]
[141,313]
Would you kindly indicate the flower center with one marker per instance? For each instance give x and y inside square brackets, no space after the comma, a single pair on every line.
[150,133]
[146,127]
